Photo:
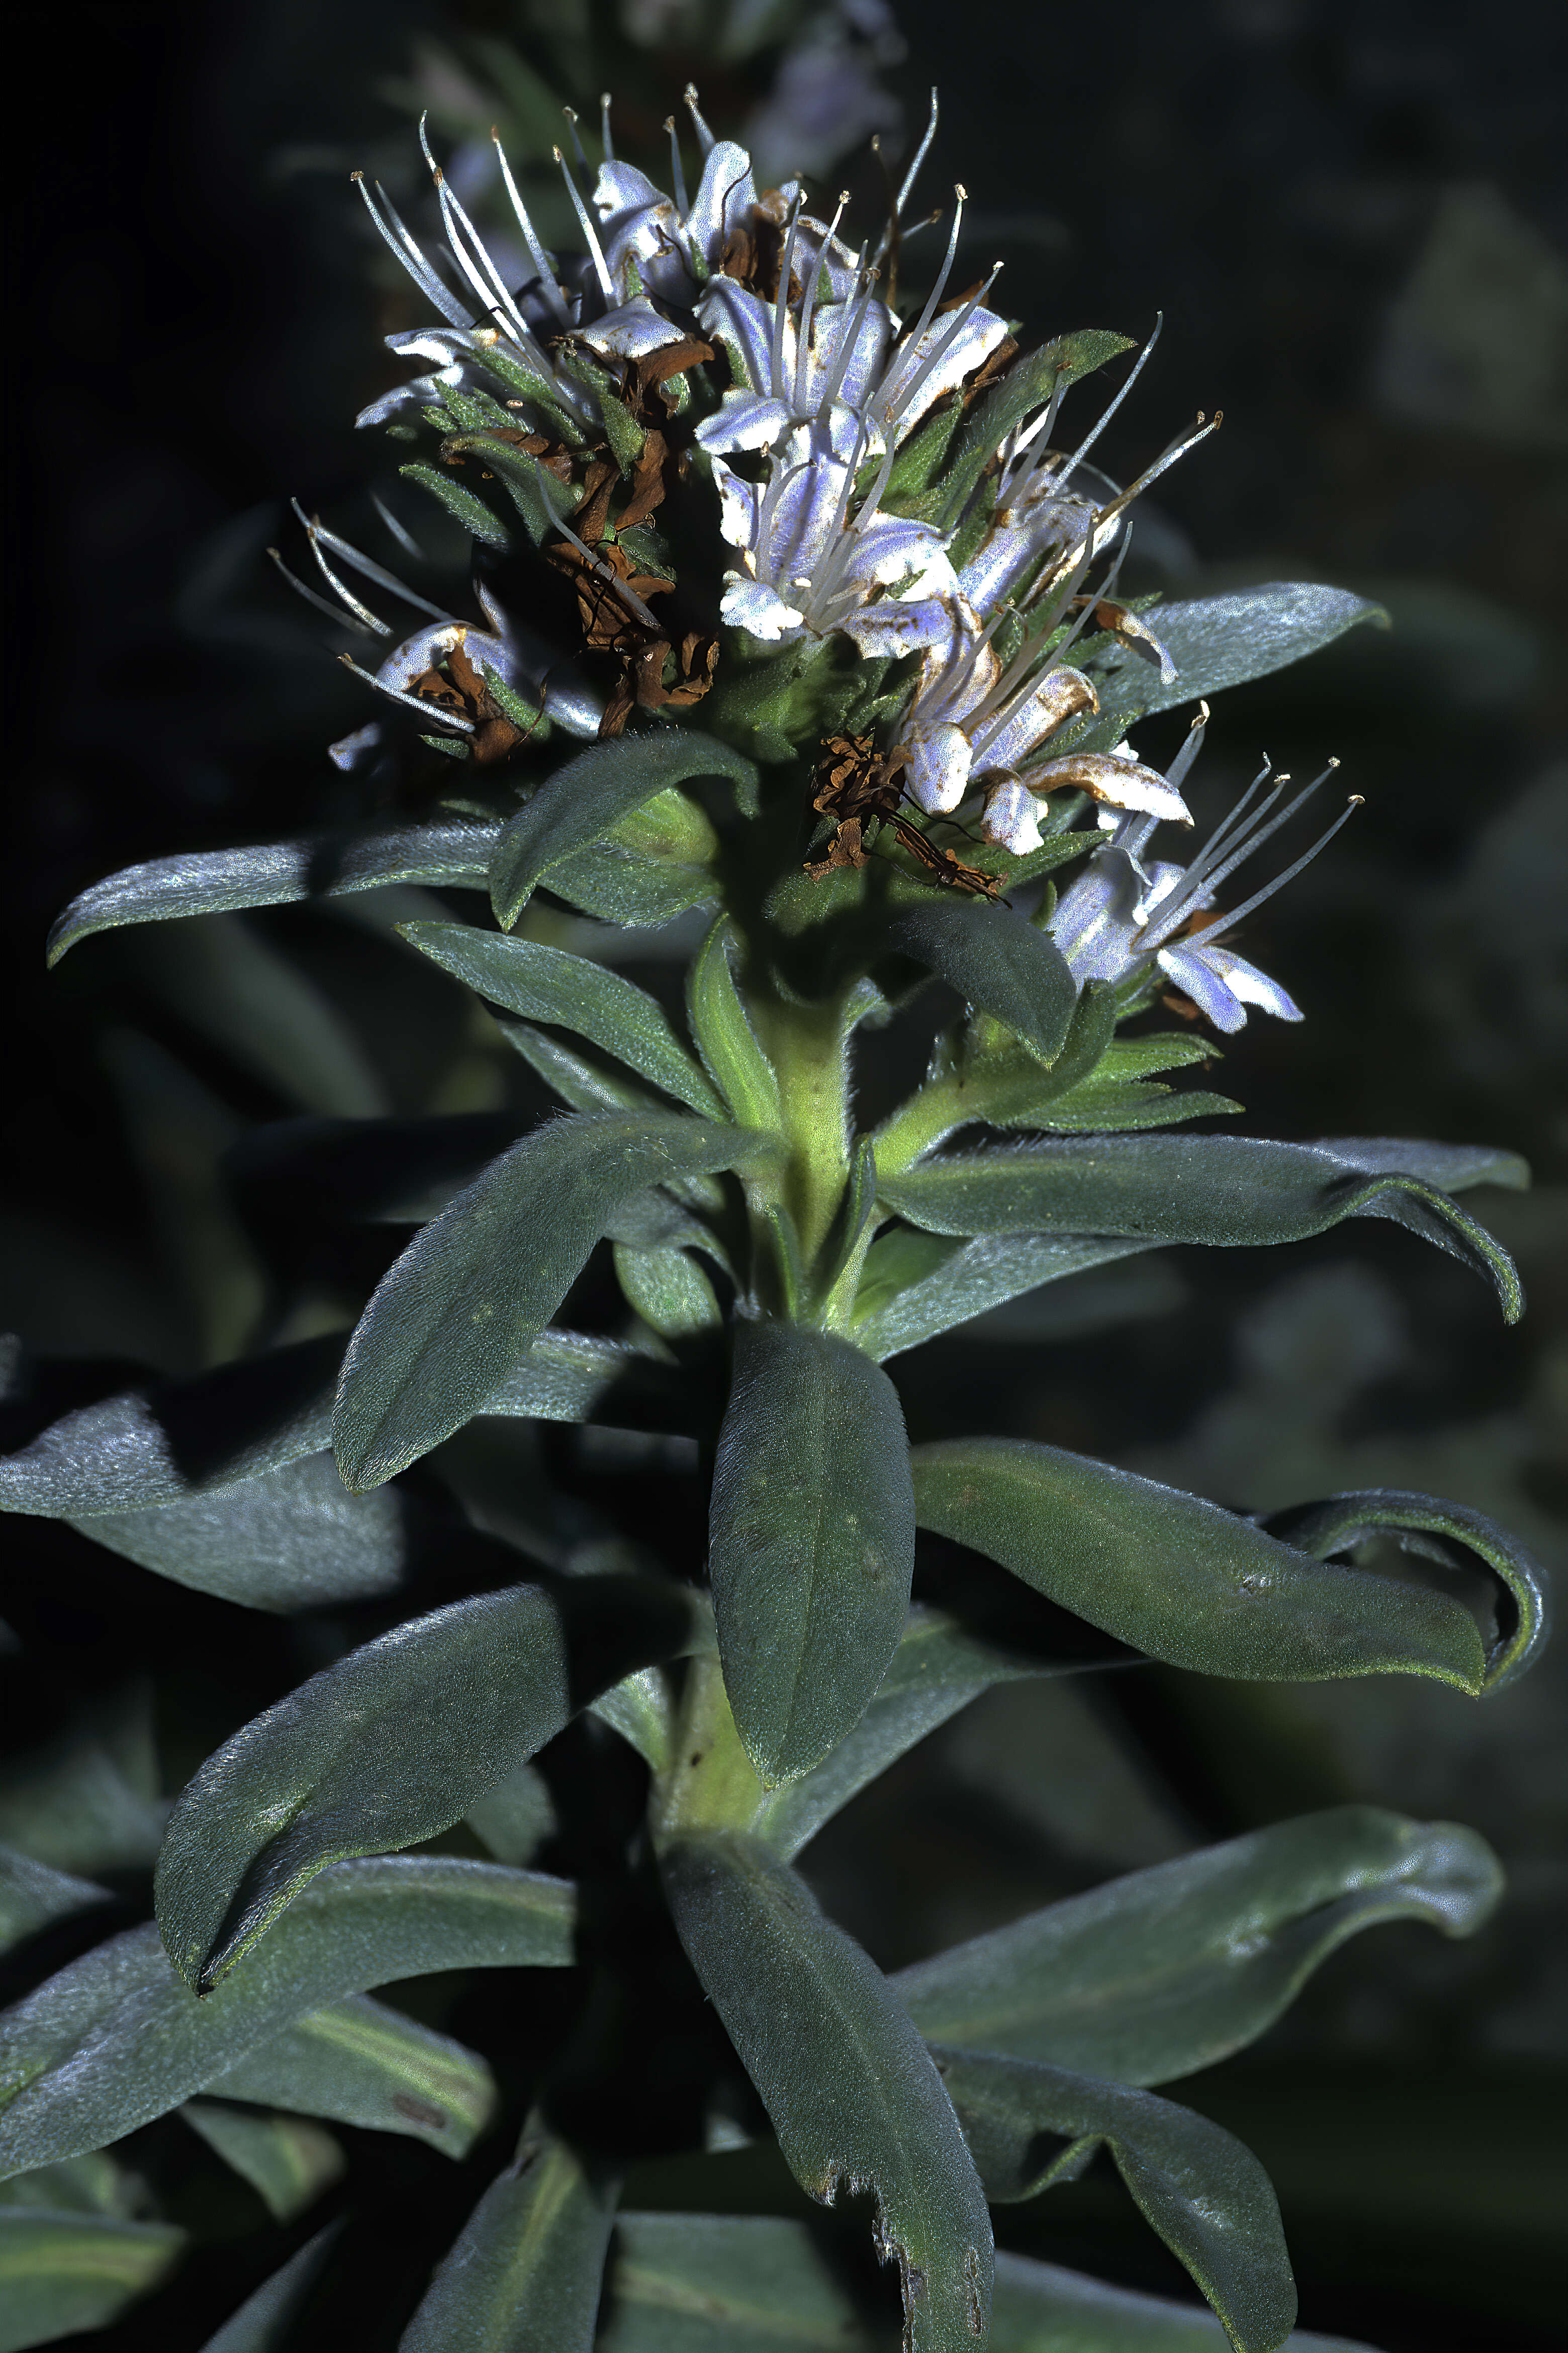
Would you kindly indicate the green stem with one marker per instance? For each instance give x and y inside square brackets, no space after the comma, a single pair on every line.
[809,1051]
[710,1783]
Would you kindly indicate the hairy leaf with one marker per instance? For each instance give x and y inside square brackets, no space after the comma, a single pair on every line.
[811,1541]
[1231,1191]
[62,2273]
[915,1286]
[32,1894]
[392,1744]
[995,960]
[1195,2184]
[313,866]
[1220,642]
[1028,385]
[288,2162]
[1186,1581]
[264,2321]
[467,1300]
[546,985]
[1444,1532]
[117,2038]
[581,801]
[657,862]
[851,2090]
[1166,1971]
[725,1039]
[358,2062]
[526,2272]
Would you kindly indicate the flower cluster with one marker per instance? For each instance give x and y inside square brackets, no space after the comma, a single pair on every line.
[720,351]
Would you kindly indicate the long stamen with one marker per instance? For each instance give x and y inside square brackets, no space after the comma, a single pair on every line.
[622,588]
[906,188]
[938,351]
[704,134]
[605,140]
[1162,929]
[677,176]
[601,269]
[484,278]
[400,532]
[369,569]
[583,164]
[372,622]
[961,195]
[1207,876]
[808,305]
[334,613]
[541,260]
[849,335]
[841,540]
[397,238]
[1138,365]
[430,712]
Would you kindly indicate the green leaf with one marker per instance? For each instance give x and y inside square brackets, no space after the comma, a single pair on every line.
[1027,385]
[1220,642]
[288,2162]
[360,2063]
[264,2321]
[995,960]
[581,801]
[545,984]
[117,2038]
[1230,1191]
[467,1299]
[914,1287]
[851,2089]
[392,1744]
[62,2273]
[725,1039]
[1167,1971]
[1106,1109]
[476,518]
[1182,1580]
[526,2272]
[648,868]
[1195,2184]
[32,1895]
[811,1541]
[668,1290]
[313,866]
[93,2183]
[1040,2308]
[937,1669]
[1449,1532]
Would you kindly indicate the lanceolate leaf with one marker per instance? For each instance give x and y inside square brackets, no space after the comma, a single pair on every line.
[32,1894]
[1152,1975]
[1220,642]
[898,1305]
[545,984]
[527,2270]
[995,960]
[360,2063]
[1444,1532]
[851,2090]
[725,1039]
[392,1744]
[581,801]
[1184,1580]
[1228,1190]
[1197,2185]
[464,1304]
[62,2273]
[264,2321]
[811,1541]
[1028,385]
[314,866]
[1040,2308]
[117,2038]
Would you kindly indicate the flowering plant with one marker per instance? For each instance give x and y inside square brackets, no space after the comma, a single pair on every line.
[796,639]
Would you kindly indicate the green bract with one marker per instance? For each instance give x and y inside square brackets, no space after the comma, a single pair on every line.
[796,677]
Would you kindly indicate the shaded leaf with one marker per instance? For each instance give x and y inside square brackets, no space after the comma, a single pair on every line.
[651,867]
[1195,2184]
[116,2038]
[264,2321]
[811,1540]
[467,1300]
[392,1744]
[32,1894]
[995,960]
[61,2272]
[1184,1580]
[669,1289]
[92,2183]
[361,2063]
[725,1039]
[1166,1971]
[526,2272]
[313,866]
[851,2090]
[583,800]
[1444,1532]
[730,2283]
[914,1286]
[288,2162]
[1230,1191]
[544,984]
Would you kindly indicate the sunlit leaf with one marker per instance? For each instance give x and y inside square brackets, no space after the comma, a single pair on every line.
[359,2061]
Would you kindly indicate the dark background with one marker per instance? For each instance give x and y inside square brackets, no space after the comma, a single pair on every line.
[1355,219]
